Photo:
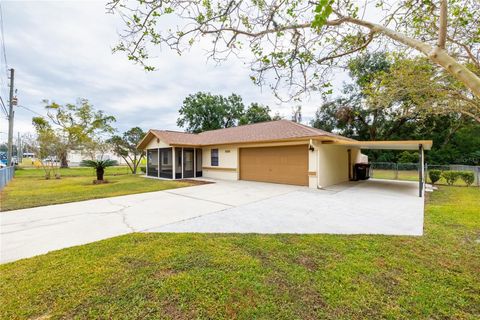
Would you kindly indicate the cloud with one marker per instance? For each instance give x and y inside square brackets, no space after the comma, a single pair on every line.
[61,51]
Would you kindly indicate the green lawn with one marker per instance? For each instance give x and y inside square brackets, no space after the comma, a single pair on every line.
[71,172]
[238,276]
[30,189]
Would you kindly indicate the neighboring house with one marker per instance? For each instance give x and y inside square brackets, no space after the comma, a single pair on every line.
[76,156]
[276,151]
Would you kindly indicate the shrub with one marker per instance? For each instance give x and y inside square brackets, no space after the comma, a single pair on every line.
[99,166]
[468,177]
[451,176]
[434,175]
[143,169]
[408,157]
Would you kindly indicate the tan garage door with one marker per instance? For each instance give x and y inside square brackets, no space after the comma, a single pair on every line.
[287,165]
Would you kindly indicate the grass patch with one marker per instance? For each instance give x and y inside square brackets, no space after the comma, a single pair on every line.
[212,276]
[30,189]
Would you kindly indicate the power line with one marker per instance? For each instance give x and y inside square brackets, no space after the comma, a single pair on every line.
[4,108]
[4,84]
[33,111]
[3,40]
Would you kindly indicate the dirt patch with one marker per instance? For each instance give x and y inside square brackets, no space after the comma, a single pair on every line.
[196,182]
[44,317]
[165,273]
[307,262]
[135,263]
[173,310]
[100,181]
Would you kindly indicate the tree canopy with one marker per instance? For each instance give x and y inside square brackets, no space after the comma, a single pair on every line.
[125,146]
[204,111]
[406,80]
[74,126]
[382,104]
[255,113]
[298,43]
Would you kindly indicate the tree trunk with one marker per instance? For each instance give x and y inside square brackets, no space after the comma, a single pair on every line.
[135,164]
[63,160]
[457,70]
[100,172]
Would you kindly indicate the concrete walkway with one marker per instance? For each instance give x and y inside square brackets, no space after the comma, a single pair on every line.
[239,206]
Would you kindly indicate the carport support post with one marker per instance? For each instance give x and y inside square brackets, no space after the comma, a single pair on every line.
[174,163]
[349,151]
[146,168]
[194,162]
[420,170]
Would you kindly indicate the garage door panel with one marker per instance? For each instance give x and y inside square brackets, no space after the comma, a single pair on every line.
[287,165]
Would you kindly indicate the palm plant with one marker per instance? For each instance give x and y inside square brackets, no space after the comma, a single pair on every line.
[99,166]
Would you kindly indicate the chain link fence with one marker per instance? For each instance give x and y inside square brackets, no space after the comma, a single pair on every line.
[409,171]
[6,174]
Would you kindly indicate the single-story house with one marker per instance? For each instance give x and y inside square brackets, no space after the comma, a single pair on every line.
[279,151]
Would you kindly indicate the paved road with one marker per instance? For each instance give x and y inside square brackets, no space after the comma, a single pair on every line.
[377,207]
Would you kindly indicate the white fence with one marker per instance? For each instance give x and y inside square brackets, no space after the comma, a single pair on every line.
[6,174]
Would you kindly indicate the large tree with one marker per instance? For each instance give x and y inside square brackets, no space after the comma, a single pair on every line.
[405,83]
[47,146]
[126,147]
[355,113]
[255,113]
[205,111]
[77,125]
[298,42]
[388,100]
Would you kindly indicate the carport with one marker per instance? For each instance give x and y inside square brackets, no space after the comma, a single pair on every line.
[419,145]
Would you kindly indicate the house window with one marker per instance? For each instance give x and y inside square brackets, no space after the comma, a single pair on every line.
[166,156]
[214,158]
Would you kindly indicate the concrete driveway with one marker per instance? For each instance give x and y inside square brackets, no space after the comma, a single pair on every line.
[371,207]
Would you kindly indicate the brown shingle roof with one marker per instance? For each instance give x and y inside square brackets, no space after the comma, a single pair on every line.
[257,132]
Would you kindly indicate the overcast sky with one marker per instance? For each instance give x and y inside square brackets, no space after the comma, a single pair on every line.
[61,51]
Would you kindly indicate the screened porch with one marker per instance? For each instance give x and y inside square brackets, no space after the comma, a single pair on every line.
[174,163]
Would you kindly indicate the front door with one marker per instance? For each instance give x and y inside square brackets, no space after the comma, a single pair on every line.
[188,168]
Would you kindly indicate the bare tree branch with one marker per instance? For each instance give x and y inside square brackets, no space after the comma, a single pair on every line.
[442,29]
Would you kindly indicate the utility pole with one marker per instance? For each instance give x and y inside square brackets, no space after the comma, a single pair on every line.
[19,148]
[11,114]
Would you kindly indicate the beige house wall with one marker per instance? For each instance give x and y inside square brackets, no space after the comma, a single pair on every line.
[154,143]
[228,161]
[333,164]
[227,168]
[312,168]
[357,156]
[327,164]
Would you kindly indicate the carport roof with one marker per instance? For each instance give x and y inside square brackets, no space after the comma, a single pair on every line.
[388,144]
